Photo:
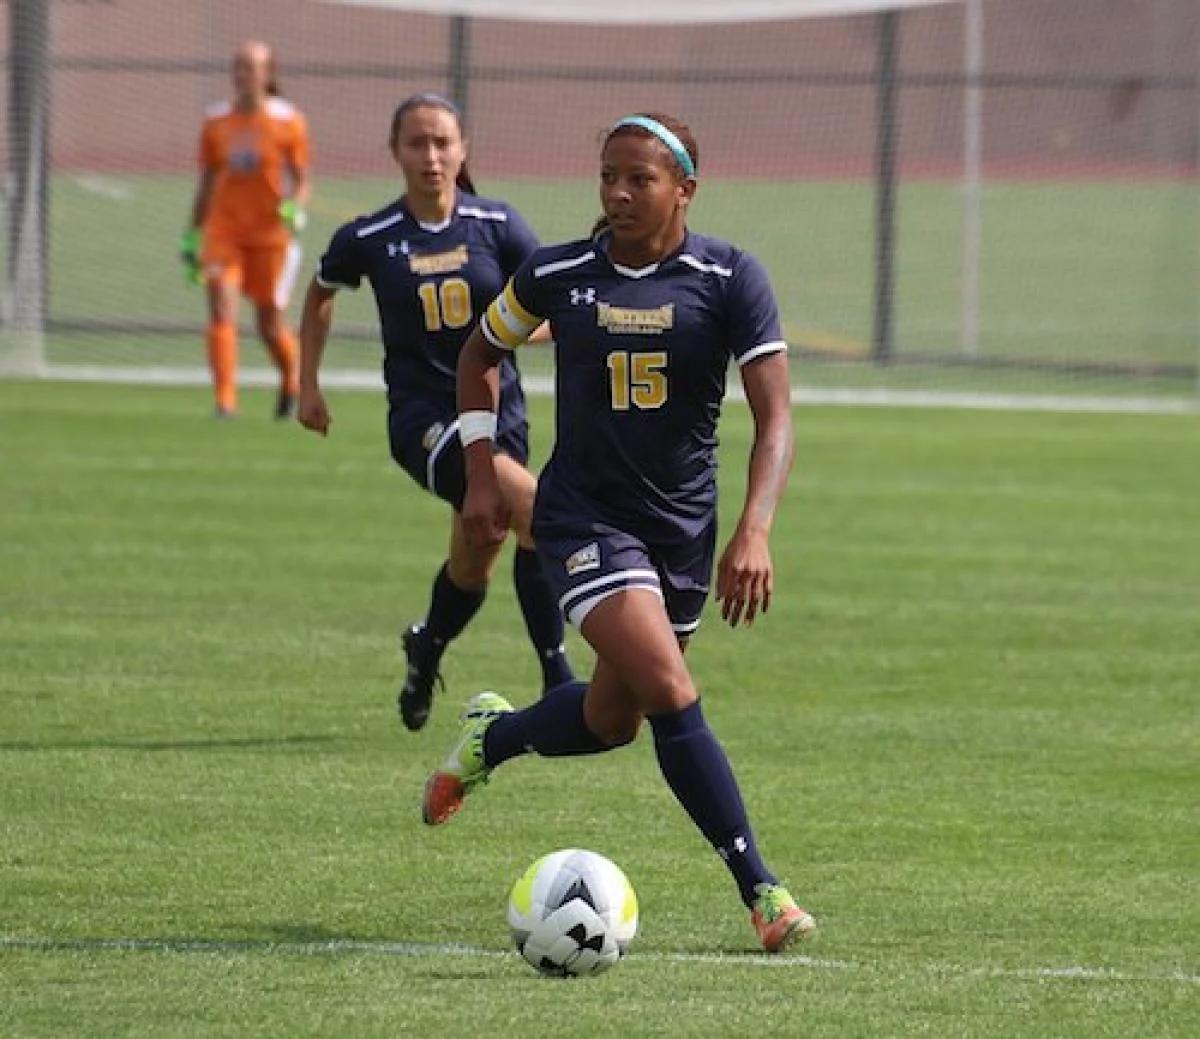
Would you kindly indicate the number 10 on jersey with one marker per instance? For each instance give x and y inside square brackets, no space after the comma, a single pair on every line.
[637,379]
[446,304]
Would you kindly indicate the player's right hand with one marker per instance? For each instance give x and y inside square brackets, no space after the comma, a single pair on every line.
[189,252]
[312,413]
[485,513]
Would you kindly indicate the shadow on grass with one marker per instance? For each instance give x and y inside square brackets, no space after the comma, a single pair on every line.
[228,743]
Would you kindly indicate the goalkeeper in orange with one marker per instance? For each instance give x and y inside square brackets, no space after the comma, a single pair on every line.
[249,206]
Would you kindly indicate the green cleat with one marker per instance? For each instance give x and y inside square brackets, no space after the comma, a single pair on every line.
[463,769]
[777,919]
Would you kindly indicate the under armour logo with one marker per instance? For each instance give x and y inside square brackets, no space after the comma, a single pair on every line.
[586,297]
[394,250]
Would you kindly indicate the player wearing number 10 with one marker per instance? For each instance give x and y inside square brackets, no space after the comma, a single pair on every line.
[646,316]
[434,259]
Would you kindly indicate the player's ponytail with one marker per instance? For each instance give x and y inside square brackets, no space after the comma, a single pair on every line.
[430,100]
[650,125]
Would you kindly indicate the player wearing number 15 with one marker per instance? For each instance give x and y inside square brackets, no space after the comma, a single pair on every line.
[434,259]
[647,317]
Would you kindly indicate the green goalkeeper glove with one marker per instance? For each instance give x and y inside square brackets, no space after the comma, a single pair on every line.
[293,215]
[189,253]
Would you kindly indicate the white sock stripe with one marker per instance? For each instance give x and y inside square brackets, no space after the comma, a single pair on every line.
[685,628]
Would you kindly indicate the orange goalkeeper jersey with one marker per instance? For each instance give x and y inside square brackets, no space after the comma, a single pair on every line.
[252,156]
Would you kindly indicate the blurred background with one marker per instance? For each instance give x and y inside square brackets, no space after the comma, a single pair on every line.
[977,197]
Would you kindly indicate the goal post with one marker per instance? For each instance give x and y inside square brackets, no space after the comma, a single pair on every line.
[27,197]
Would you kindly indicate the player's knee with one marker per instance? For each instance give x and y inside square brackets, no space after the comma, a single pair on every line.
[665,690]
[618,731]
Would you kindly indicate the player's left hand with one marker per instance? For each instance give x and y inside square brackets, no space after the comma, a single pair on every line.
[745,577]
[293,215]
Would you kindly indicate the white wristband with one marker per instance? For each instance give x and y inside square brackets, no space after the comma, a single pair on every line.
[476,425]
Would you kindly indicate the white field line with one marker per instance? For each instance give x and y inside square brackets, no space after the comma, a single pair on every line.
[543,385]
[426,950]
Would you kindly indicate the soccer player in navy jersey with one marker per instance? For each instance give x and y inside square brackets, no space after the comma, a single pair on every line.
[434,259]
[646,316]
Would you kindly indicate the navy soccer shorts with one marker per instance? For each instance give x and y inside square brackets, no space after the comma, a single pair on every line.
[425,444]
[588,564]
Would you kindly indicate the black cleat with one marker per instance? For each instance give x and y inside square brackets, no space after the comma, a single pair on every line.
[285,405]
[417,693]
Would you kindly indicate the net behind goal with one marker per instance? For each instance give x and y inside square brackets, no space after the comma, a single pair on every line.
[984,196]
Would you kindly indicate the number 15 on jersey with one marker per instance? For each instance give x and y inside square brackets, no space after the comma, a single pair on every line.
[637,379]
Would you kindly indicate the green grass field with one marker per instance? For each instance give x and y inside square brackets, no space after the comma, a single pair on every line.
[1094,272]
[967,733]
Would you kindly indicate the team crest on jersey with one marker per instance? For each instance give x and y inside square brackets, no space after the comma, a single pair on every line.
[586,558]
[439,263]
[628,320]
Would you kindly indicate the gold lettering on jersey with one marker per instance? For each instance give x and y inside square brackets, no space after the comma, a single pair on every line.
[639,322]
[439,263]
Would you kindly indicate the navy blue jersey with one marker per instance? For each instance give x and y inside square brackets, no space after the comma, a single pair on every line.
[431,283]
[640,373]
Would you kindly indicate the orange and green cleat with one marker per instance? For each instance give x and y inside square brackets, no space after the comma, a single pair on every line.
[464,768]
[778,920]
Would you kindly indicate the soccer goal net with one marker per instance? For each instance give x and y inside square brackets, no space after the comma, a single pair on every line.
[972,196]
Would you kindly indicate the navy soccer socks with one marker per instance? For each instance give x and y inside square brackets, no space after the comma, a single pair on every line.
[450,610]
[543,618]
[553,727]
[694,765]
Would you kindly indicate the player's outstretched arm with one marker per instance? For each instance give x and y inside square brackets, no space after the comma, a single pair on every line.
[315,323]
[745,576]
[485,513]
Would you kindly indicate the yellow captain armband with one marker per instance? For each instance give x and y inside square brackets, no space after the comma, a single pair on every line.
[506,323]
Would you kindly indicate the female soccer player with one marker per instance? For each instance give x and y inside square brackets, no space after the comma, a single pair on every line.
[646,316]
[434,258]
[250,202]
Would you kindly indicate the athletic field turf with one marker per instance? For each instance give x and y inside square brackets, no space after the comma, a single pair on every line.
[967,733]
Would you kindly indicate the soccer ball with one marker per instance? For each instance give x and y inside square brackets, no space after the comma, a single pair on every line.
[572,913]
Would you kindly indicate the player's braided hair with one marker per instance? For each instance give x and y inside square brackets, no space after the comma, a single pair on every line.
[677,126]
[429,100]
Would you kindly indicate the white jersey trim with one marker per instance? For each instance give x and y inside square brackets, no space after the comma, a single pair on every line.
[634,272]
[279,108]
[440,226]
[705,268]
[325,283]
[774,347]
[379,225]
[483,214]
[563,265]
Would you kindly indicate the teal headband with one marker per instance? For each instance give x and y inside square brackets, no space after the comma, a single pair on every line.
[663,134]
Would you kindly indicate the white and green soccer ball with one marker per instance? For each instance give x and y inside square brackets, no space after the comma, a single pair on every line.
[572,913]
